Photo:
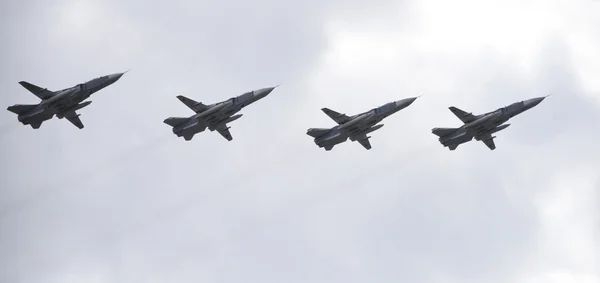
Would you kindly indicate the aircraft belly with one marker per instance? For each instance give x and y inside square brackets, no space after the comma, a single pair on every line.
[191,128]
[65,103]
[489,125]
[38,111]
[458,138]
[357,128]
[214,118]
[37,118]
[332,139]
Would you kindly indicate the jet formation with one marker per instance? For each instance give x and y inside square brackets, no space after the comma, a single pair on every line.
[356,127]
[481,127]
[63,103]
[214,116]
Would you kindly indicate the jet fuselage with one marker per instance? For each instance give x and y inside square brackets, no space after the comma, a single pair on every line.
[66,100]
[360,124]
[486,124]
[217,115]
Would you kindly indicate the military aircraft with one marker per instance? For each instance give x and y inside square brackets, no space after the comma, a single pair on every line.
[62,103]
[215,116]
[356,127]
[481,127]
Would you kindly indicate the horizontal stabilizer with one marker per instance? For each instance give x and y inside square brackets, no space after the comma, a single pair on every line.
[192,104]
[21,108]
[440,132]
[174,121]
[42,93]
[317,132]
[464,116]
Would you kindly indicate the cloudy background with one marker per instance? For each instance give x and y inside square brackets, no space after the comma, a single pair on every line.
[124,200]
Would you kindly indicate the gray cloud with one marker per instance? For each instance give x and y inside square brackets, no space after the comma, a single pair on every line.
[269,206]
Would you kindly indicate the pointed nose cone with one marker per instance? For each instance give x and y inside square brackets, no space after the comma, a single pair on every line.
[264,92]
[406,102]
[115,77]
[530,103]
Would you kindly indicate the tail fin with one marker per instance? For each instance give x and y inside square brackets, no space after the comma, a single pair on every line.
[317,132]
[440,132]
[174,121]
[21,108]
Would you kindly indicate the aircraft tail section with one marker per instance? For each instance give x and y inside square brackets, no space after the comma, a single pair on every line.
[317,132]
[174,121]
[21,108]
[440,132]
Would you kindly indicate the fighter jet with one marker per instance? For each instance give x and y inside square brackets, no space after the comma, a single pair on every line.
[62,103]
[215,116]
[481,127]
[356,127]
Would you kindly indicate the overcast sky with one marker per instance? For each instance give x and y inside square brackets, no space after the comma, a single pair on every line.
[125,200]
